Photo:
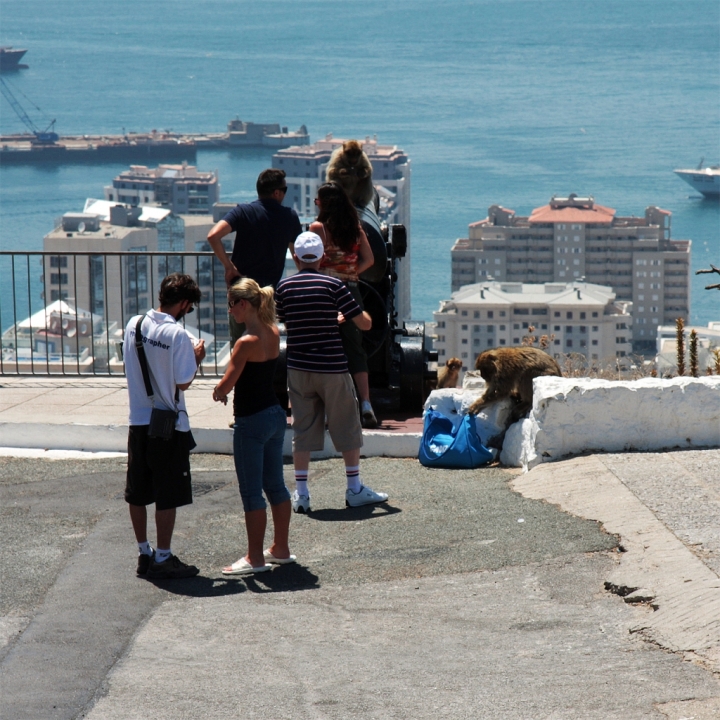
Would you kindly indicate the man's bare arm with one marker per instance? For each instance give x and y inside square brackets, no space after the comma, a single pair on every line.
[214,238]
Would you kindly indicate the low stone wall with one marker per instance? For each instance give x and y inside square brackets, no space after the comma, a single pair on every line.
[572,416]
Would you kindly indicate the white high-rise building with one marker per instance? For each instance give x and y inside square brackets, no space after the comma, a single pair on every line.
[576,318]
[305,167]
[574,238]
[182,189]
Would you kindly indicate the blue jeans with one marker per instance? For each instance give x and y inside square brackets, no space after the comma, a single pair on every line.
[257,447]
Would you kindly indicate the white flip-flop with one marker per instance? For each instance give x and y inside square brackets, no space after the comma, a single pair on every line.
[243,567]
[270,558]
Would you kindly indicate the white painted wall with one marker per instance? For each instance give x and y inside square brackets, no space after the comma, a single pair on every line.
[572,416]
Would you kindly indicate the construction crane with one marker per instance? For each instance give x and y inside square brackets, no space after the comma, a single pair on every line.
[47,136]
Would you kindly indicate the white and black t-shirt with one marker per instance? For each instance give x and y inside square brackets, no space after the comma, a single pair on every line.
[171,361]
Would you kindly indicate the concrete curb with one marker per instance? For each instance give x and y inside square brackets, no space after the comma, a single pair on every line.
[113,438]
[656,569]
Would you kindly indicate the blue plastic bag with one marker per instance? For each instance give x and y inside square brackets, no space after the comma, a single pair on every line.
[444,446]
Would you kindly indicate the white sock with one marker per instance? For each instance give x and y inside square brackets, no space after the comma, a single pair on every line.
[162,555]
[145,548]
[301,481]
[352,473]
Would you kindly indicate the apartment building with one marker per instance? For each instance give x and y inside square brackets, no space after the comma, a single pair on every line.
[98,261]
[305,171]
[573,238]
[182,189]
[576,317]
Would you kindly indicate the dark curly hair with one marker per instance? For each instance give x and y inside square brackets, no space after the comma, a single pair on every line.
[338,214]
[178,287]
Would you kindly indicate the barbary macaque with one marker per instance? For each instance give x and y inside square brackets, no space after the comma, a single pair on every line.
[447,376]
[509,372]
[350,168]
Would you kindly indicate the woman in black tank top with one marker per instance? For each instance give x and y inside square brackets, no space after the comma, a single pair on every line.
[259,430]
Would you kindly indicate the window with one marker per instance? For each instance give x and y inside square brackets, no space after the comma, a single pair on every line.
[502,313]
[464,314]
[568,315]
[441,353]
[593,342]
[556,314]
[568,328]
[490,314]
[464,341]
[583,328]
[502,327]
[557,342]
[556,328]
[476,341]
[595,328]
[568,342]
[476,314]
[543,326]
[58,261]
[502,341]
[497,261]
[594,314]
[476,328]
[641,297]
[490,342]
[490,328]
[516,326]
[582,315]
[463,327]
[516,341]
[59,278]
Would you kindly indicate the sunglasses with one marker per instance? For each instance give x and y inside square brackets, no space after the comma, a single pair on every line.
[233,303]
[283,190]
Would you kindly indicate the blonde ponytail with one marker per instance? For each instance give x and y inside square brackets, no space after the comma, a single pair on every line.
[262,299]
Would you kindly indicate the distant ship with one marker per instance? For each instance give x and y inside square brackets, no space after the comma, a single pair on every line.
[704,180]
[10,58]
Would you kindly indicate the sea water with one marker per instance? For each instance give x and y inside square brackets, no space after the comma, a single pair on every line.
[494,101]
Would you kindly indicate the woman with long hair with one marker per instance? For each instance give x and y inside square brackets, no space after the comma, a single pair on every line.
[347,256]
[259,429]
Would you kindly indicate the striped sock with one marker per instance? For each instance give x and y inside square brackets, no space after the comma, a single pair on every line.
[353,478]
[301,478]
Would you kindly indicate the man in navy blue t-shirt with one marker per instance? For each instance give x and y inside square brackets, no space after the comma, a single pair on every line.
[264,230]
[319,384]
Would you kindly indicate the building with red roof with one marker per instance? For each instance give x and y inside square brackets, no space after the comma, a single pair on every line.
[574,239]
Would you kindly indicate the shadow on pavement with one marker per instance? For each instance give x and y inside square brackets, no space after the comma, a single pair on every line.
[364,512]
[289,578]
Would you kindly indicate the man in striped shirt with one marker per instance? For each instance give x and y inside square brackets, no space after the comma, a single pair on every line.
[311,305]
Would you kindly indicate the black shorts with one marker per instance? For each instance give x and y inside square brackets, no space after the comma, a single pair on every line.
[158,470]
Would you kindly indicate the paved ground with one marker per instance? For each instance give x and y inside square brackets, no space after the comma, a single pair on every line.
[462,598]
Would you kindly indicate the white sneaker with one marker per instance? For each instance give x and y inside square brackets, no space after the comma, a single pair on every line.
[300,503]
[368,415]
[366,496]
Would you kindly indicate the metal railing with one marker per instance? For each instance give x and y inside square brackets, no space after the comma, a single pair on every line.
[65,313]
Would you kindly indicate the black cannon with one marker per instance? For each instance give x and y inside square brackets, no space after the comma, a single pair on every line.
[398,363]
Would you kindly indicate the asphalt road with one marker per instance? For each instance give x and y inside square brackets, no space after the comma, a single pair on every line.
[459,598]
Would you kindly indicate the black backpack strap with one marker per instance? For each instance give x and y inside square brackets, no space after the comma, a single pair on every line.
[140,348]
[141,356]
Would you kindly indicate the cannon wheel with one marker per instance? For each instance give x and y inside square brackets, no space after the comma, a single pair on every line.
[412,367]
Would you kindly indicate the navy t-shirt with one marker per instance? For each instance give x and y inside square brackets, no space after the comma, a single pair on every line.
[308,304]
[264,230]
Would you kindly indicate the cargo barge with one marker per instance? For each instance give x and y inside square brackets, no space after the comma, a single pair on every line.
[48,148]
[25,148]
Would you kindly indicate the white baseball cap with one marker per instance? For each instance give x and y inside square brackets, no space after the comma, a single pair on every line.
[309,247]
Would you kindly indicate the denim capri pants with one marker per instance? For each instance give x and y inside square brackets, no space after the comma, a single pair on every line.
[258,450]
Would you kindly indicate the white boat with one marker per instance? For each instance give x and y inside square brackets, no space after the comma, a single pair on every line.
[705,180]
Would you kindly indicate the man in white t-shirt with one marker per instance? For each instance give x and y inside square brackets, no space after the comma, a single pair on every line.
[159,470]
